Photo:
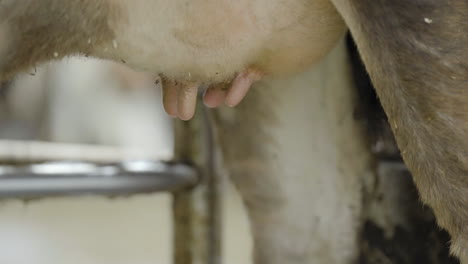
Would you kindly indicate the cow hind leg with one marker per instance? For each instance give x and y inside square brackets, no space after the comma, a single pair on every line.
[416,53]
[298,158]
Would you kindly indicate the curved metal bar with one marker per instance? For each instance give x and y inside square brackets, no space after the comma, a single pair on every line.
[78,178]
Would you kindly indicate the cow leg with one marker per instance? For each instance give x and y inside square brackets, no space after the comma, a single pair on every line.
[417,55]
[297,157]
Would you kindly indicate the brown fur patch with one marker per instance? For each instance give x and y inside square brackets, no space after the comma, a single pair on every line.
[417,55]
[48,29]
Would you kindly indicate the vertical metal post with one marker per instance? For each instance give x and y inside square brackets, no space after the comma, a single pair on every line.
[196,212]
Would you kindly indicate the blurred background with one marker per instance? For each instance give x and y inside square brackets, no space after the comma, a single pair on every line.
[85,101]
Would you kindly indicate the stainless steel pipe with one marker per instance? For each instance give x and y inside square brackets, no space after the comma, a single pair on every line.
[78,178]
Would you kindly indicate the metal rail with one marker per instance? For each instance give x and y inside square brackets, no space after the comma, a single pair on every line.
[79,178]
[196,211]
